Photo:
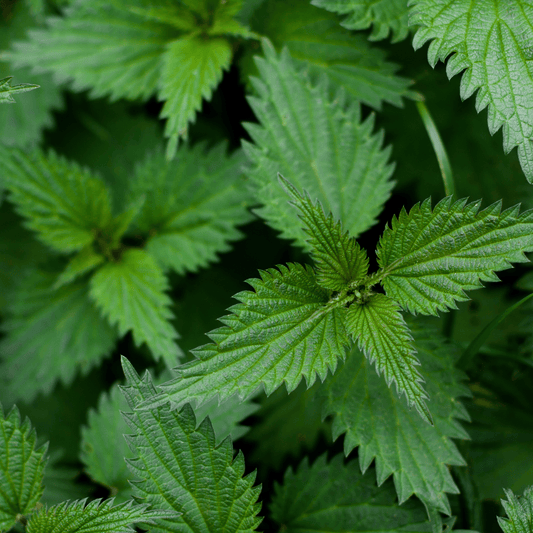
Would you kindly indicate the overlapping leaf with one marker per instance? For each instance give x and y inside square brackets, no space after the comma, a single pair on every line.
[180,468]
[385,16]
[323,48]
[430,257]
[7,90]
[133,50]
[378,422]
[334,498]
[383,336]
[277,334]
[131,294]
[65,204]
[93,517]
[21,468]
[339,259]
[519,512]
[301,135]
[193,205]
[51,336]
[491,42]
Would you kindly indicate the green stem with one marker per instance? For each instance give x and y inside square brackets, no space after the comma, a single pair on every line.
[438,146]
[465,361]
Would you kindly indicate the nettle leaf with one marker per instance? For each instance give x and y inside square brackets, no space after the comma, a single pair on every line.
[130,292]
[192,205]
[65,204]
[180,467]
[22,124]
[519,511]
[492,44]
[126,49]
[52,335]
[85,261]
[320,46]
[7,90]
[279,333]
[106,463]
[93,517]
[430,257]
[383,336]
[379,422]
[301,133]
[21,468]
[339,259]
[385,16]
[335,497]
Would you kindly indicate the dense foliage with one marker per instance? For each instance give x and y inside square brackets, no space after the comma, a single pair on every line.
[372,376]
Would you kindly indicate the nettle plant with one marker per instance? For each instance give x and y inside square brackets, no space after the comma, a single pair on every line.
[119,239]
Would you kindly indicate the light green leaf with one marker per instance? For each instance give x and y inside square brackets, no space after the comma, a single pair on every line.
[430,257]
[131,294]
[180,468]
[103,449]
[383,336]
[379,422]
[323,48]
[279,333]
[51,336]
[338,258]
[7,91]
[192,205]
[192,68]
[65,204]
[491,42]
[337,498]
[21,468]
[302,132]
[85,261]
[519,511]
[93,517]
[385,16]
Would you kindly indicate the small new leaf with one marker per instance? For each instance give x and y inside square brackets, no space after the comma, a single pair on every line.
[7,91]
[339,259]
[429,258]
[94,517]
[383,336]
[64,203]
[180,468]
[131,294]
[519,511]
[279,333]
[21,468]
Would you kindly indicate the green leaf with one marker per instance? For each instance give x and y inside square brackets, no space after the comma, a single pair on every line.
[7,91]
[519,511]
[21,468]
[383,336]
[333,497]
[131,294]
[323,48]
[85,261]
[385,16]
[93,517]
[430,257]
[51,336]
[379,422]
[103,449]
[279,333]
[192,205]
[192,68]
[180,468]
[301,133]
[491,43]
[65,204]
[338,258]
